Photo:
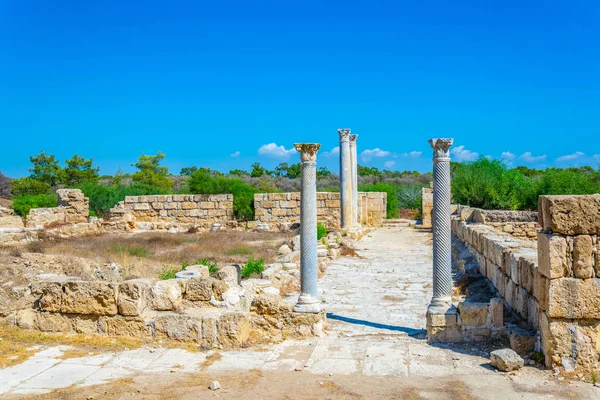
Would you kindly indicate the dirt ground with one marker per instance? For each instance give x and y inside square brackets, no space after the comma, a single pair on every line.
[258,385]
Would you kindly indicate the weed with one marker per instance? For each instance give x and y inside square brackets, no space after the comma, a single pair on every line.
[239,250]
[135,251]
[594,376]
[253,267]
[321,230]
[184,265]
[538,357]
[167,273]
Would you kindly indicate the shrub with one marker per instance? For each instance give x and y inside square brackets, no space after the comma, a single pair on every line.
[392,196]
[103,198]
[203,182]
[29,186]
[22,204]
[253,267]
[167,273]
[321,230]
[4,185]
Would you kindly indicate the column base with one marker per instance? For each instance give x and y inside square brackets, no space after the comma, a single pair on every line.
[308,304]
[442,323]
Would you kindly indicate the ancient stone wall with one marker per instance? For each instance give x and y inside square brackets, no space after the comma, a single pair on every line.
[9,220]
[73,208]
[522,224]
[285,208]
[569,263]
[427,207]
[172,211]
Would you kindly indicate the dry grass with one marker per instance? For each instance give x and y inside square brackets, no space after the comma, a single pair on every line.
[16,343]
[210,360]
[145,254]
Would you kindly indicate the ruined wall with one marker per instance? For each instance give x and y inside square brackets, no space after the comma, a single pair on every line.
[73,208]
[172,211]
[553,284]
[285,207]
[569,261]
[9,220]
[427,207]
[522,224]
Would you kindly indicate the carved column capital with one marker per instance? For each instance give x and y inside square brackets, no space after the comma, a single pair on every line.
[441,148]
[353,138]
[344,134]
[308,151]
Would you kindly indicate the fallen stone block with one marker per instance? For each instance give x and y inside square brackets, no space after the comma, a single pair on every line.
[234,329]
[570,215]
[132,297]
[506,360]
[473,314]
[199,289]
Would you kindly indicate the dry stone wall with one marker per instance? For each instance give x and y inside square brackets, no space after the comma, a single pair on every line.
[172,211]
[285,208]
[522,224]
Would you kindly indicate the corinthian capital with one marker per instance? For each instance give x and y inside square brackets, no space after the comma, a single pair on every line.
[353,138]
[308,151]
[441,147]
[344,134]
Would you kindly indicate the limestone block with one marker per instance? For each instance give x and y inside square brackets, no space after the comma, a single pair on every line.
[583,249]
[533,313]
[199,289]
[571,342]
[570,215]
[496,312]
[527,267]
[476,333]
[201,269]
[50,295]
[522,341]
[541,286]
[229,274]
[506,360]
[132,296]
[89,297]
[11,221]
[473,314]
[574,298]
[233,329]
[26,318]
[165,295]
[219,287]
[284,249]
[178,327]
[210,334]
[119,325]
[86,324]
[553,256]
[52,322]
[141,207]
[441,320]
[446,334]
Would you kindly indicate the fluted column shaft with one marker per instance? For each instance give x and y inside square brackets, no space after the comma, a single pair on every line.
[442,256]
[354,173]
[309,266]
[345,179]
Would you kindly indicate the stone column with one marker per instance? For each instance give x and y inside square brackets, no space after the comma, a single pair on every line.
[354,173]
[441,314]
[345,179]
[308,301]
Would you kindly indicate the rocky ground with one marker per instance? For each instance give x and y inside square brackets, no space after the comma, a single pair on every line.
[374,348]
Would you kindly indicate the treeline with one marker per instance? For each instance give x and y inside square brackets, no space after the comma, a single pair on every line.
[491,184]
[151,177]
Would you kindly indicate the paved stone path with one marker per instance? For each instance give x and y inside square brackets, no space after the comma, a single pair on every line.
[376,307]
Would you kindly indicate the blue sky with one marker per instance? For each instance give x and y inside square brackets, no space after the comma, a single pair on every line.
[222,84]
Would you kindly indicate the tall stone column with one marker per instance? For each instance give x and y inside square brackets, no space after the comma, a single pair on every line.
[354,173]
[345,179]
[441,314]
[308,301]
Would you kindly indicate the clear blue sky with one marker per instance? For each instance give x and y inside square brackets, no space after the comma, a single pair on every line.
[203,80]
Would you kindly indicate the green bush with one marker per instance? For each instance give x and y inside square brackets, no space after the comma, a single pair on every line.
[168,273]
[253,267]
[491,184]
[29,186]
[202,182]
[103,198]
[22,204]
[321,230]
[392,196]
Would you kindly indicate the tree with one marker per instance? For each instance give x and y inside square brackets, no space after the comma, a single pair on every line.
[118,179]
[151,172]
[45,168]
[79,171]
[187,171]
[257,170]
[239,172]
[28,186]
[323,172]
[4,185]
[365,171]
[289,171]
